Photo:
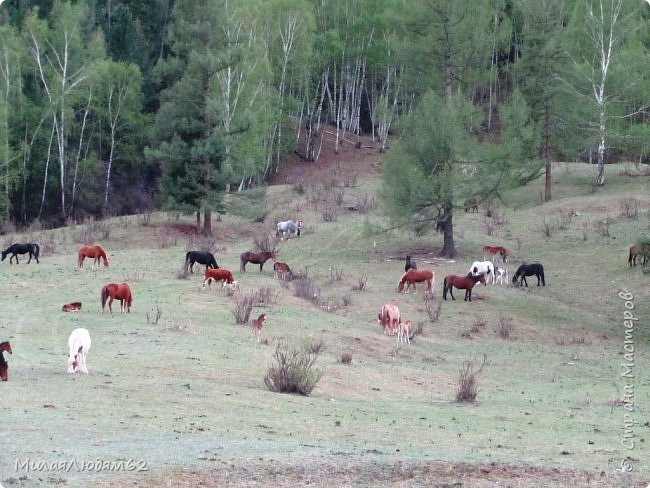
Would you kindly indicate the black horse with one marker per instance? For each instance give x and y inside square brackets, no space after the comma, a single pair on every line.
[16,249]
[410,264]
[200,257]
[524,270]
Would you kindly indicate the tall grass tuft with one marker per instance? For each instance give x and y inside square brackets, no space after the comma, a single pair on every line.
[293,370]
[467,381]
[243,307]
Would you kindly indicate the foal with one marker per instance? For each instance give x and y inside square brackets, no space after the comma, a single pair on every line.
[257,325]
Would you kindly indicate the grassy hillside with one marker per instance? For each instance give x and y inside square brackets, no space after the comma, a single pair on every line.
[185,397]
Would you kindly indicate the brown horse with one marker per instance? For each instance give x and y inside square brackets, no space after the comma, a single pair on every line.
[492,251]
[634,252]
[255,258]
[462,283]
[117,291]
[96,252]
[4,366]
[413,276]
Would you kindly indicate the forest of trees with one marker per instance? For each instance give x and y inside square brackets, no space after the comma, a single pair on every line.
[110,107]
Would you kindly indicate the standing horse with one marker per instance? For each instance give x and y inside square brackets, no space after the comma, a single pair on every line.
[483,267]
[634,252]
[4,366]
[288,227]
[78,347]
[535,269]
[409,264]
[492,251]
[255,258]
[413,276]
[117,291]
[462,283]
[15,249]
[96,252]
[200,257]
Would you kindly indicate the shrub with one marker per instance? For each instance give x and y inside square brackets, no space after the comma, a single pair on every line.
[243,308]
[505,327]
[293,370]
[155,316]
[467,382]
[630,208]
[264,243]
[361,283]
[346,358]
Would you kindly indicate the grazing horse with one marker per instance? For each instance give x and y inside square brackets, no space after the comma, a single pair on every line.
[117,291]
[78,347]
[288,227]
[255,258]
[281,271]
[200,257]
[257,325]
[534,269]
[220,274]
[4,366]
[492,251]
[16,249]
[409,264]
[389,318]
[413,276]
[96,252]
[483,267]
[634,252]
[71,307]
[462,283]
[471,204]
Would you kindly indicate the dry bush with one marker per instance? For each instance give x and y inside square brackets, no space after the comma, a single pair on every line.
[293,370]
[467,381]
[630,207]
[183,272]
[366,203]
[548,228]
[264,243]
[433,312]
[197,242]
[336,274]
[166,240]
[339,194]
[346,300]
[329,214]
[350,180]
[505,327]
[361,283]
[304,287]
[47,243]
[243,308]
[155,315]
[603,228]
[477,325]
[346,358]
[299,186]
[266,296]
[315,347]
[145,218]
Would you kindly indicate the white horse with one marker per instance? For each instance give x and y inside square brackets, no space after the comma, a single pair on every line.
[78,347]
[500,275]
[483,268]
[288,227]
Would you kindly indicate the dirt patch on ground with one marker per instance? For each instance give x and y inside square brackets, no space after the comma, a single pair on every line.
[357,157]
[399,474]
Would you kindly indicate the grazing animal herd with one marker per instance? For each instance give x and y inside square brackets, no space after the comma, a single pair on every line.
[389,316]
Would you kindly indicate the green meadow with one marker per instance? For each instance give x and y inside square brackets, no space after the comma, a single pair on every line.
[175,394]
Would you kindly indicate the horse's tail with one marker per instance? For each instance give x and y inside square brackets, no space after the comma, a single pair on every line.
[242,263]
[36,250]
[80,257]
[629,259]
[444,288]
[104,295]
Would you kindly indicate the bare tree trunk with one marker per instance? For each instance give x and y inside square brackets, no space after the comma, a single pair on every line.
[47,166]
[207,222]
[548,183]
[448,246]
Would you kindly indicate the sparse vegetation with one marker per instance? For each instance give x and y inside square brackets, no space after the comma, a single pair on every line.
[293,370]
[467,388]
